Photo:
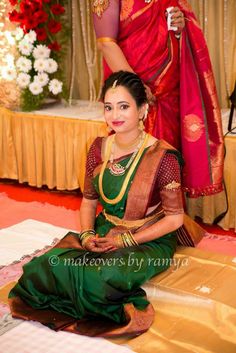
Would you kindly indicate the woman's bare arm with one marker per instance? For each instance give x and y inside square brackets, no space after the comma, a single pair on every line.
[114,56]
[87,213]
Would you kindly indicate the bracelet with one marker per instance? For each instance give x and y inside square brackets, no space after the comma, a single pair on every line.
[85,239]
[85,235]
[125,240]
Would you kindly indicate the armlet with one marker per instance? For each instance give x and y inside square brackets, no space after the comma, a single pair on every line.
[99,6]
[106,39]
[171,186]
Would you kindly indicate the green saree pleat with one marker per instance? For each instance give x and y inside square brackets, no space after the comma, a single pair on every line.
[83,284]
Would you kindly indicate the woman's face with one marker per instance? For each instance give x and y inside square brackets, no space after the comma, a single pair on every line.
[121,111]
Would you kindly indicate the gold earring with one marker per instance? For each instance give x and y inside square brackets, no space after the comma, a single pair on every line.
[141,125]
[109,129]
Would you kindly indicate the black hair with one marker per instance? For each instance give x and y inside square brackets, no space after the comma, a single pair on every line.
[131,82]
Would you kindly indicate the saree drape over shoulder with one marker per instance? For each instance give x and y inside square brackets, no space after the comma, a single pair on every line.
[186,113]
[99,293]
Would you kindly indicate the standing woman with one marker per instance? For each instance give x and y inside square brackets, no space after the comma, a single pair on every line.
[176,70]
[90,282]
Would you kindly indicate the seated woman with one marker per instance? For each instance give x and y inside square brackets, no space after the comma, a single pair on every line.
[96,275]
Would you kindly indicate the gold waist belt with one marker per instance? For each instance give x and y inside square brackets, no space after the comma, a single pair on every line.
[130,224]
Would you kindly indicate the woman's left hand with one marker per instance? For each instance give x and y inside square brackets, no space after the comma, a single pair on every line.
[177,19]
[107,243]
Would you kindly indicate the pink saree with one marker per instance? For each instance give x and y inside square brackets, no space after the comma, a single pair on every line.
[186,113]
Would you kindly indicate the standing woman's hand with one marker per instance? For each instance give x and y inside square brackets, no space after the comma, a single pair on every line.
[177,19]
[151,98]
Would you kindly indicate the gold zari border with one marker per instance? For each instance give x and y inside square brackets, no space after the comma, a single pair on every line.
[129,223]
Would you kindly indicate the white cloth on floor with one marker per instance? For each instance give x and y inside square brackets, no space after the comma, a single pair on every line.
[25,238]
[32,337]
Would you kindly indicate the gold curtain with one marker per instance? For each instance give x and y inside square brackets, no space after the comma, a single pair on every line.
[217,19]
[83,62]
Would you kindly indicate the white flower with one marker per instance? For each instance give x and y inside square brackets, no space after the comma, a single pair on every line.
[25,47]
[30,36]
[19,33]
[23,80]
[35,88]
[42,79]
[24,64]
[41,52]
[9,60]
[55,86]
[51,66]
[8,73]
[40,65]
[9,37]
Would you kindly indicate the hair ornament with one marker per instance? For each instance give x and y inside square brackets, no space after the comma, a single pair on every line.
[114,84]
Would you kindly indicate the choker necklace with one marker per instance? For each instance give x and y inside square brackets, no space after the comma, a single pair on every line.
[126,146]
[117,169]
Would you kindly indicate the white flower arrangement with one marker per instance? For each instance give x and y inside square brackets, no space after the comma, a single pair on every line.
[42,78]
[24,64]
[25,47]
[19,33]
[9,37]
[8,73]
[23,80]
[51,66]
[30,36]
[33,68]
[40,65]
[55,86]
[41,51]
[35,88]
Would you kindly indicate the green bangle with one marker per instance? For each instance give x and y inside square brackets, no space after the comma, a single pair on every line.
[85,234]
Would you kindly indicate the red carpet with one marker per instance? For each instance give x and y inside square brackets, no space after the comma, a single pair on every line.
[19,192]
[13,212]
[215,229]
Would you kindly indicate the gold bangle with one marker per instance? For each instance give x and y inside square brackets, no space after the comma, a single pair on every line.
[85,233]
[85,240]
[128,239]
[119,241]
[133,239]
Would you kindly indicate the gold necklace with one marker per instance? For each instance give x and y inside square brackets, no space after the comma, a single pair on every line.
[117,169]
[125,146]
[128,176]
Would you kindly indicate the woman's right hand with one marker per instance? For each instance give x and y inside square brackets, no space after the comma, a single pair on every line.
[151,98]
[91,245]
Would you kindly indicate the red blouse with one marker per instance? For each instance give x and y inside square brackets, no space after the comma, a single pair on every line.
[168,180]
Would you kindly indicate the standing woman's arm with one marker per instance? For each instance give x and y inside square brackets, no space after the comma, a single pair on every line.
[106,25]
